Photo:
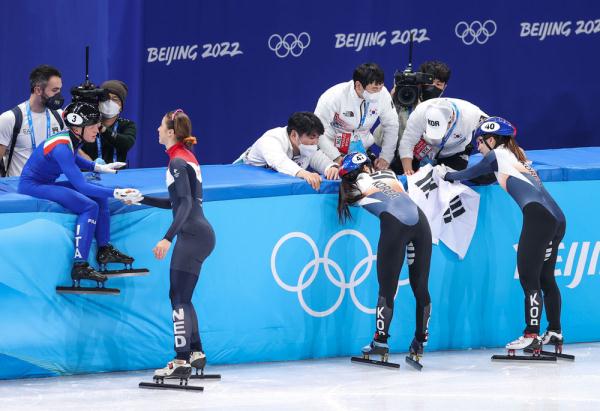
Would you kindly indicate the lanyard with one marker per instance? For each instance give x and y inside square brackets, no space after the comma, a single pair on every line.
[363,115]
[449,133]
[99,143]
[30,122]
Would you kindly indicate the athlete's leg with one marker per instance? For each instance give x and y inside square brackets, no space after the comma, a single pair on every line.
[72,200]
[552,299]
[390,257]
[418,270]
[535,236]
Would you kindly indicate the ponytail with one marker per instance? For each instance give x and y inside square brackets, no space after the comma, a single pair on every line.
[513,147]
[348,194]
[190,141]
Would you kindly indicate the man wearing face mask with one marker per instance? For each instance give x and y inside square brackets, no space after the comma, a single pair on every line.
[349,110]
[28,125]
[117,135]
[441,76]
[293,149]
[439,131]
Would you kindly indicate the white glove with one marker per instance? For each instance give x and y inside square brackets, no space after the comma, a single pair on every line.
[441,170]
[135,201]
[128,195]
[108,168]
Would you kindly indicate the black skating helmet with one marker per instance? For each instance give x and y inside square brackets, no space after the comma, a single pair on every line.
[81,114]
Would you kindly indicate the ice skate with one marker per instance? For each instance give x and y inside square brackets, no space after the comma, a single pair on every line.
[528,341]
[415,353]
[373,349]
[555,338]
[110,255]
[83,271]
[198,362]
[176,369]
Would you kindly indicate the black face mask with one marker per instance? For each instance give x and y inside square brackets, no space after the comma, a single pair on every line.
[429,92]
[55,102]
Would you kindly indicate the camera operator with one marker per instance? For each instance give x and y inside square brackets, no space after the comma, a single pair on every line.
[117,134]
[409,96]
[349,110]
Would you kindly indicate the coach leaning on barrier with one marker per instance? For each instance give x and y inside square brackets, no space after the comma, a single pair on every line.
[293,149]
[28,125]
[348,112]
[440,131]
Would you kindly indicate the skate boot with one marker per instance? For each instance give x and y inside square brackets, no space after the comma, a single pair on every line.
[109,254]
[174,369]
[415,353]
[530,343]
[376,348]
[555,338]
[526,341]
[551,337]
[198,361]
[83,271]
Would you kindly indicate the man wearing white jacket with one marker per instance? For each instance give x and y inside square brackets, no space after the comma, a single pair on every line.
[292,149]
[439,129]
[348,112]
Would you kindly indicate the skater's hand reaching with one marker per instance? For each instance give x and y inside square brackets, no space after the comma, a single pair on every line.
[108,168]
[128,195]
[161,249]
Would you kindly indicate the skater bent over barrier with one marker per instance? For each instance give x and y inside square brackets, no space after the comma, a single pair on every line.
[543,229]
[404,228]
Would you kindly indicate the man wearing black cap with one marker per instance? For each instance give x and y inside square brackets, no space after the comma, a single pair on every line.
[117,135]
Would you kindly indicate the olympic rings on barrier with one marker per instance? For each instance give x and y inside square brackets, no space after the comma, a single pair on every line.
[314,264]
[476,31]
[289,44]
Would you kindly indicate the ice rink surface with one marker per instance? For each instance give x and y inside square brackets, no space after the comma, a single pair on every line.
[450,380]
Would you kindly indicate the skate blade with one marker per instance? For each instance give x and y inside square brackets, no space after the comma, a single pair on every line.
[413,363]
[88,290]
[162,386]
[553,354]
[529,358]
[205,377]
[374,362]
[136,272]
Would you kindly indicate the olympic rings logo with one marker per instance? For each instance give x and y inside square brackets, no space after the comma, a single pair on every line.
[289,44]
[476,31]
[339,280]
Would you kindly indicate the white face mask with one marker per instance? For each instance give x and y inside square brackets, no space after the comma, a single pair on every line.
[369,96]
[307,150]
[109,108]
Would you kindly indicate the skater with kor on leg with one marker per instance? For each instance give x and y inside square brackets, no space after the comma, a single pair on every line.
[543,228]
[404,229]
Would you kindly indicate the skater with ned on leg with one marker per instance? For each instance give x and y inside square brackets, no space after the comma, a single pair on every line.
[195,241]
[404,231]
